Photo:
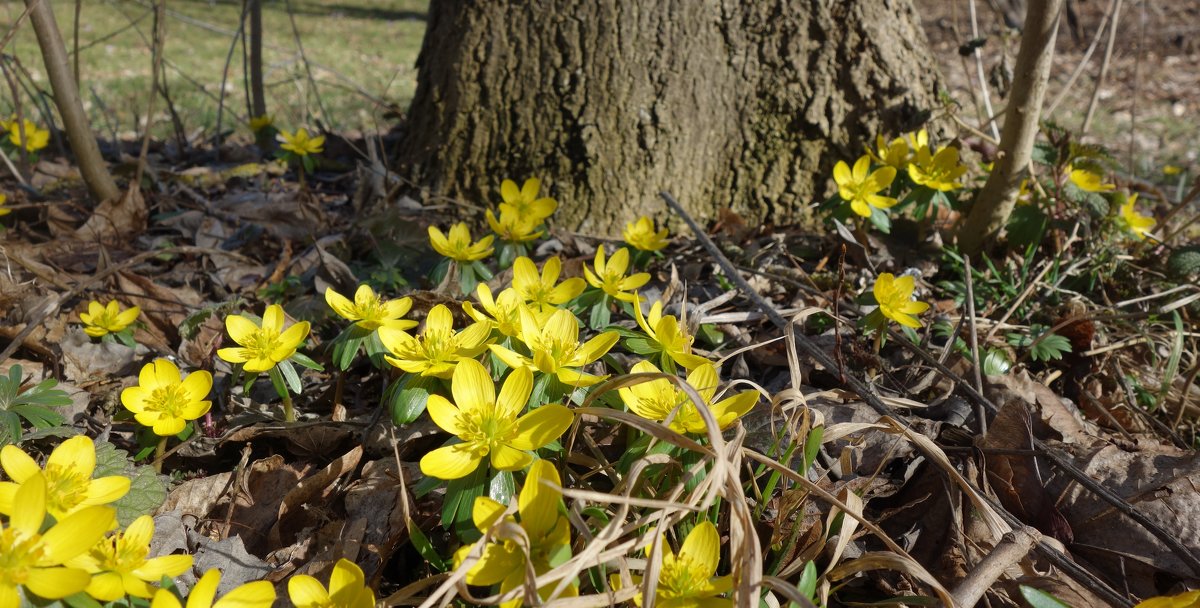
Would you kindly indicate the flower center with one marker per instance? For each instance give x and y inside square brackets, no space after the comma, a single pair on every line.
[66,488]
[680,578]
[265,342]
[485,429]
[167,400]
[439,345]
[369,312]
[18,553]
[119,555]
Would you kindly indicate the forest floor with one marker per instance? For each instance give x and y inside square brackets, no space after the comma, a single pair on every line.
[1052,426]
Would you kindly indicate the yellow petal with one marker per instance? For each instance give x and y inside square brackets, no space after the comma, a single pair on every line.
[539,498]
[451,462]
[107,489]
[702,549]
[293,337]
[340,305]
[273,318]
[167,565]
[510,358]
[56,583]
[514,393]
[241,329]
[506,458]
[198,385]
[165,599]
[525,274]
[106,586]
[29,506]
[486,512]
[235,355]
[596,347]
[704,380]
[307,592]
[128,316]
[509,191]
[259,594]
[77,533]
[17,464]
[472,386]
[541,426]
[205,589]
[444,414]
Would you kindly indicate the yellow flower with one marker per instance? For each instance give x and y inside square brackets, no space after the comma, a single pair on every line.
[1172,170]
[894,296]
[894,154]
[165,402]
[1189,599]
[119,565]
[258,123]
[347,589]
[556,348]
[4,210]
[688,579]
[258,594]
[37,138]
[67,476]
[458,246]
[262,348]
[861,189]
[524,203]
[32,559]
[300,143]
[669,336]
[1089,182]
[487,425]
[656,399]
[938,171]
[439,348]
[540,291]
[1139,224]
[548,534]
[610,276]
[502,312]
[512,227]
[369,311]
[104,319]
[641,235]
[918,140]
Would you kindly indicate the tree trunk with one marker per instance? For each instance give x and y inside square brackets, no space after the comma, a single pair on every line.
[66,96]
[738,104]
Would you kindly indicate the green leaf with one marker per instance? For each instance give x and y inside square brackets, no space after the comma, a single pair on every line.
[407,396]
[421,543]
[1040,599]
[808,581]
[600,314]
[10,428]
[643,346]
[277,381]
[1026,226]
[880,220]
[146,491]
[503,487]
[812,445]
[1051,346]
[1184,263]
[304,360]
[344,352]
[289,374]
[39,417]
[460,500]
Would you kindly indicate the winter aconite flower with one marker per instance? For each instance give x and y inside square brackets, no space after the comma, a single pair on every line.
[120,564]
[688,579]
[457,244]
[512,227]
[894,154]
[100,319]
[439,348]
[37,138]
[67,476]
[262,348]
[502,311]
[609,275]
[489,426]
[1089,181]
[938,171]
[556,349]
[164,401]
[300,143]
[540,291]
[547,533]
[258,594]
[658,398]
[860,187]
[266,121]
[668,336]
[347,589]
[1139,224]
[524,202]
[369,311]
[641,235]
[895,299]
[4,210]
[32,559]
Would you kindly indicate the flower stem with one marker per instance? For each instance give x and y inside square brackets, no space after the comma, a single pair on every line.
[159,451]
[289,414]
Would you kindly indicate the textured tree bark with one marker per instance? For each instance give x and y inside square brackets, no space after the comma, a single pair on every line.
[724,103]
[66,96]
[995,202]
